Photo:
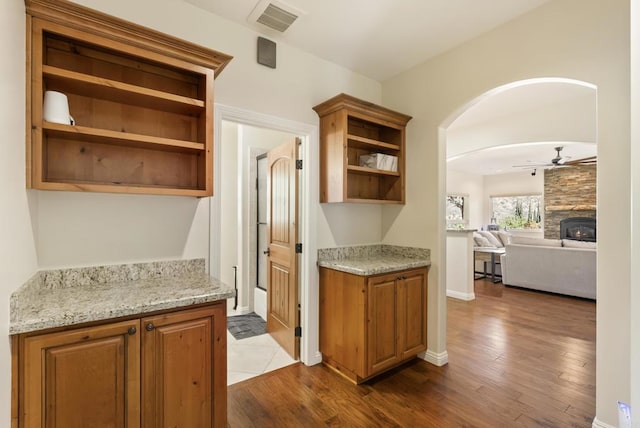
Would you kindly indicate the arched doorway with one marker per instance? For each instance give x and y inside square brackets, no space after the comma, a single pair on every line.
[485,135]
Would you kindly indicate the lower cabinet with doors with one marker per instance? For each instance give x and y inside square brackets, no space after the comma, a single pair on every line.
[369,324]
[167,369]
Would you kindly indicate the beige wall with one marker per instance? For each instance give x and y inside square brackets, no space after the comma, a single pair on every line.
[17,247]
[87,229]
[149,228]
[229,219]
[512,184]
[481,188]
[583,40]
[635,217]
[472,185]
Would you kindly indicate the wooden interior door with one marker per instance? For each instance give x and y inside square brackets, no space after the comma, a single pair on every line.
[183,364]
[282,275]
[88,377]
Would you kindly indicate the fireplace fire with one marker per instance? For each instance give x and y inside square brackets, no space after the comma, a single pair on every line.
[578,229]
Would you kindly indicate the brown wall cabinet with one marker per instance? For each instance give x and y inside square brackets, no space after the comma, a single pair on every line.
[142,103]
[371,324]
[166,370]
[350,128]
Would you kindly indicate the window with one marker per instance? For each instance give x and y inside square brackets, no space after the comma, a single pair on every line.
[517,212]
[457,210]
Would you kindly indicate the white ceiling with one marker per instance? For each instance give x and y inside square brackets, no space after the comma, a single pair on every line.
[379,38]
[515,158]
[382,38]
[518,128]
[521,125]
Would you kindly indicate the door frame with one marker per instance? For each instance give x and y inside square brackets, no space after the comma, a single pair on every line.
[309,187]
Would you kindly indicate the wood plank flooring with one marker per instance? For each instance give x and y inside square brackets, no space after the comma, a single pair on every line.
[517,358]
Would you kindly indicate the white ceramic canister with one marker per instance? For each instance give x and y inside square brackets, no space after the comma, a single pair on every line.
[56,108]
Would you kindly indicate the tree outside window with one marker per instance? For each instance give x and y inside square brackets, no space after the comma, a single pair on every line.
[517,212]
[456,211]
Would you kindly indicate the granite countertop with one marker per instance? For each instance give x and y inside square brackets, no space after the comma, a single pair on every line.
[73,296]
[366,260]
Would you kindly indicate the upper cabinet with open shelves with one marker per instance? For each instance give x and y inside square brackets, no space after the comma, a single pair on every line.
[141,102]
[361,152]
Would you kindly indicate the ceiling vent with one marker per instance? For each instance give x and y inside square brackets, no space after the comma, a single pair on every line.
[274,14]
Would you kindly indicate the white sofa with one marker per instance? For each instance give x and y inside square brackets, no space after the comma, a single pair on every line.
[558,269]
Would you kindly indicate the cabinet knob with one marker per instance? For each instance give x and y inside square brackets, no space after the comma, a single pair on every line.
[150,326]
[132,331]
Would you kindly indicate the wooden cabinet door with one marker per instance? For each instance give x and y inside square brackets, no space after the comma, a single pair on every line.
[382,307]
[184,369]
[412,313]
[83,378]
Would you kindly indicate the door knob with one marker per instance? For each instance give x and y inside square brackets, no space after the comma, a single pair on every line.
[150,326]
[267,252]
[132,331]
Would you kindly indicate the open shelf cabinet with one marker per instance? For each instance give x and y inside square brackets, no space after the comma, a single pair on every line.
[142,103]
[350,128]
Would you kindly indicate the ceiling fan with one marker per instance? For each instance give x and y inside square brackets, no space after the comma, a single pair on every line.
[561,161]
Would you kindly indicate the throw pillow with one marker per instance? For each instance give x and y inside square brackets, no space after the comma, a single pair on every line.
[525,240]
[495,242]
[505,237]
[480,240]
[570,243]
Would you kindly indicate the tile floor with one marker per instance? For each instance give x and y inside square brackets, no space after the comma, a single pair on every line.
[247,358]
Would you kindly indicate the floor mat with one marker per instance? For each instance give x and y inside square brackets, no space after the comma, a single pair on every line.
[243,326]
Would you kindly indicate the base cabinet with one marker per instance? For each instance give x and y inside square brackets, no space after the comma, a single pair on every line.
[167,370]
[371,324]
[84,377]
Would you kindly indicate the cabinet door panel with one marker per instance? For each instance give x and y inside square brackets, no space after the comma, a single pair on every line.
[83,378]
[382,346]
[179,374]
[412,313]
[342,321]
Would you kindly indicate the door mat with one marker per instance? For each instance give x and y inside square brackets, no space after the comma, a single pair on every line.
[244,326]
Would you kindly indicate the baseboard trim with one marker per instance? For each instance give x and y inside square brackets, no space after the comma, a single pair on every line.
[435,358]
[460,295]
[599,424]
[242,310]
[315,359]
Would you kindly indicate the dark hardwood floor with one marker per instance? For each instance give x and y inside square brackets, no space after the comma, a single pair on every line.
[517,358]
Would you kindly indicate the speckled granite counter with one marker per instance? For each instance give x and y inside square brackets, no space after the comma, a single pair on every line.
[71,296]
[368,260]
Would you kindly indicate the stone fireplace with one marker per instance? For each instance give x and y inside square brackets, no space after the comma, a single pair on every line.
[578,229]
[568,193]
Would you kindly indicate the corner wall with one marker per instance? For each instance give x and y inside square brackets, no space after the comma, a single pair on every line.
[586,40]
[17,248]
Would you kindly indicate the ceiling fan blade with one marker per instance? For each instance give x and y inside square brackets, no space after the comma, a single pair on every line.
[533,165]
[590,160]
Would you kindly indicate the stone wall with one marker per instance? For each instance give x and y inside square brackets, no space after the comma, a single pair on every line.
[568,192]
